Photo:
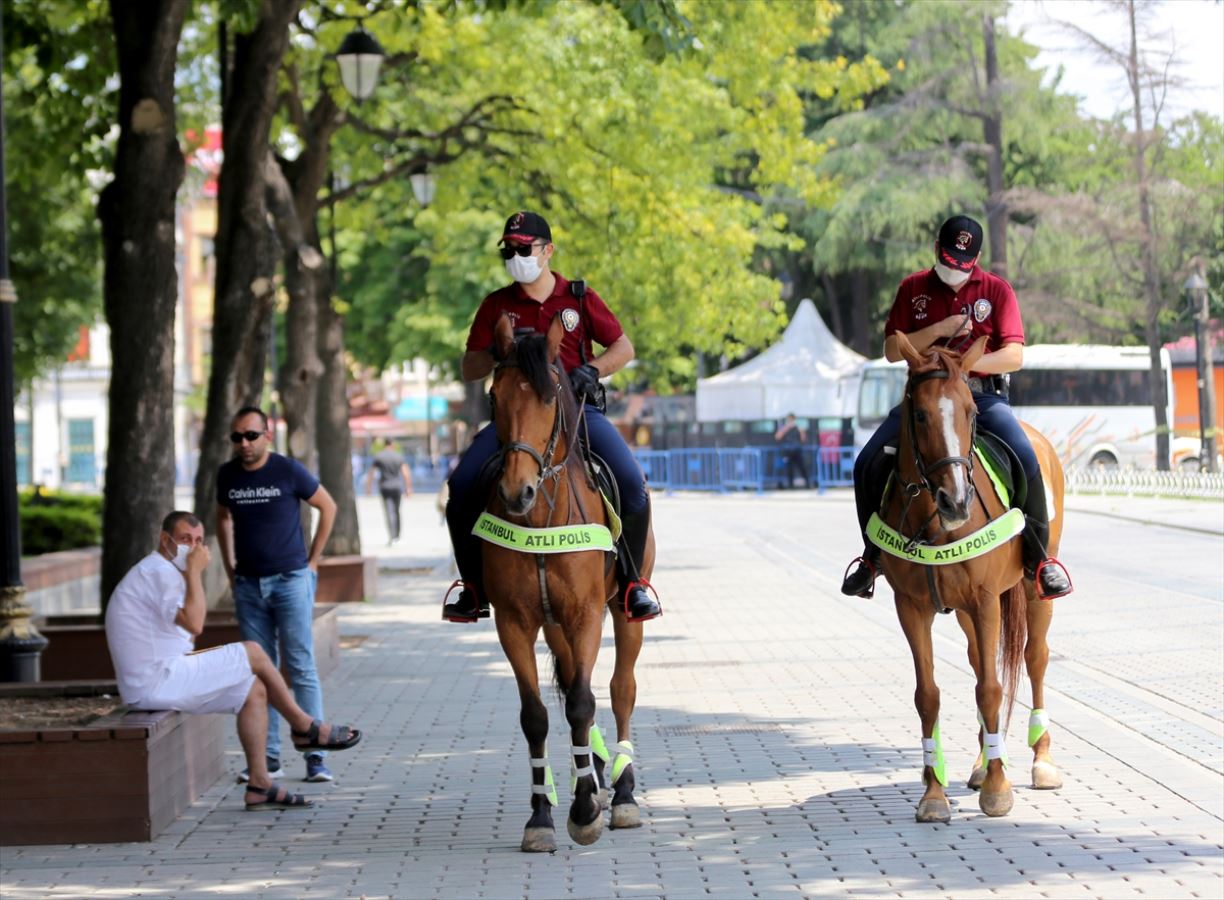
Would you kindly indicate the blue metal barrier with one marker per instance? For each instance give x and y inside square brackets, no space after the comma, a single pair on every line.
[654,467]
[743,468]
[694,469]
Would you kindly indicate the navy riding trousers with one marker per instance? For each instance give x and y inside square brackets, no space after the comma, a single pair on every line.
[994,415]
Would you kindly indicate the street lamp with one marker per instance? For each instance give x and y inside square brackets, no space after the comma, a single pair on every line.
[1196,298]
[20,642]
[360,56]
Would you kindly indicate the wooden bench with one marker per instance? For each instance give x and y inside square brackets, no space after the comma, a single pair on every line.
[123,777]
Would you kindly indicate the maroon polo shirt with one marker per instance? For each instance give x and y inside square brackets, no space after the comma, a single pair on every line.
[922,299]
[524,312]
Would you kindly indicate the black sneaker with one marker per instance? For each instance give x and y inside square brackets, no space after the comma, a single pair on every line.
[274,771]
[466,607]
[316,770]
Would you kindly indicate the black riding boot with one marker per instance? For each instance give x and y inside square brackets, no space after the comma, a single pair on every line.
[1052,579]
[861,581]
[638,604]
[471,604]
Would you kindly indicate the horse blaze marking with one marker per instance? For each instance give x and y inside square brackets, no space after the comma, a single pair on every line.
[952,442]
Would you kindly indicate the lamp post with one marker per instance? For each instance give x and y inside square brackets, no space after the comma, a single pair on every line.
[20,642]
[1196,297]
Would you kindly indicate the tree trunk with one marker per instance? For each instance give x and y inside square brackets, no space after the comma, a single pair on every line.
[334,439]
[140,285]
[992,127]
[834,304]
[860,315]
[246,246]
[1151,274]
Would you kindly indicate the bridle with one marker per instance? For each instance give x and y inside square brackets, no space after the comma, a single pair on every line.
[911,490]
[548,470]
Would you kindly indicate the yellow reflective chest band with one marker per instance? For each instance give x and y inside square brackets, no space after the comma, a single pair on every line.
[990,537]
[560,539]
[1000,490]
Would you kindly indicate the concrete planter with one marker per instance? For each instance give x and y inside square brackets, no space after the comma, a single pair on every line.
[123,777]
[346,579]
[78,651]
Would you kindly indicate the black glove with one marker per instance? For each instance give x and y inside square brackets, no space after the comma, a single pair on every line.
[585,380]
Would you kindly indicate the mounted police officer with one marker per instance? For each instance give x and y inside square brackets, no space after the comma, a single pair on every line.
[953,304]
[536,297]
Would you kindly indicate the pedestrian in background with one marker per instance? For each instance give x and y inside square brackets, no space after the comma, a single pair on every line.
[259,529]
[394,483]
[792,438]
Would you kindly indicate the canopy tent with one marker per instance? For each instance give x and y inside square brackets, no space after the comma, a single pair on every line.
[802,373]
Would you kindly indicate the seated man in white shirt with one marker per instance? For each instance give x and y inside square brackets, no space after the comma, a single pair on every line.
[152,619]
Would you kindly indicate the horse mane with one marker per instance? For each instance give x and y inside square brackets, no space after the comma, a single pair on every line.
[531,354]
[937,358]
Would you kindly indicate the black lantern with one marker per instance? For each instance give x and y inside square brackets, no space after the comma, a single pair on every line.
[360,56]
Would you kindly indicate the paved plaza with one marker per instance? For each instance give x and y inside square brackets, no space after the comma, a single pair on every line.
[779,752]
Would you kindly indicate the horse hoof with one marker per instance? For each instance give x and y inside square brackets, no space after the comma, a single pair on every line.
[936,810]
[996,803]
[603,798]
[585,834]
[976,779]
[626,815]
[539,840]
[1046,776]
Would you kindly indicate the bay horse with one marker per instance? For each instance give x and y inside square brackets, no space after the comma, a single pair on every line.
[940,499]
[544,484]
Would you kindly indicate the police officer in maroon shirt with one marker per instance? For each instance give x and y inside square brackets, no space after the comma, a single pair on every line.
[953,304]
[537,296]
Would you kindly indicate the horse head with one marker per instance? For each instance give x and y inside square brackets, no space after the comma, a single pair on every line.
[938,427]
[530,400]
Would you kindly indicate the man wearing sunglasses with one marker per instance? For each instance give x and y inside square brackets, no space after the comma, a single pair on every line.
[537,296]
[259,529]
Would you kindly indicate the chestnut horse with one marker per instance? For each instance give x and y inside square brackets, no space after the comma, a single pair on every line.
[544,484]
[939,498]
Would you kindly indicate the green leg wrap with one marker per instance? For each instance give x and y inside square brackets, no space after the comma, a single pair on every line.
[598,747]
[933,755]
[624,756]
[1037,726]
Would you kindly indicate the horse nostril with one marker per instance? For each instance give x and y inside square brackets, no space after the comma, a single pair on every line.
[944,502]
[528,495]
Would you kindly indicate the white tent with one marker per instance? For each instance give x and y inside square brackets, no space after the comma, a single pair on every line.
[802,373]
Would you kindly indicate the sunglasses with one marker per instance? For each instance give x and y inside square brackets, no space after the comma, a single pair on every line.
[521,249]
[249,436]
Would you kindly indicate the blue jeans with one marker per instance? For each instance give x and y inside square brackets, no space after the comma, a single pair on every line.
[282,606]
[994,415]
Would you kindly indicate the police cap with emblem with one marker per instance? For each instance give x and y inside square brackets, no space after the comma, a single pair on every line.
[960,242]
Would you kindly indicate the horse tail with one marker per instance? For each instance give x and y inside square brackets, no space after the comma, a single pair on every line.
[558,681]
[1014,615]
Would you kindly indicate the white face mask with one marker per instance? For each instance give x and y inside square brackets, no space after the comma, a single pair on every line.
[953,278]
[523,269]
[180,556]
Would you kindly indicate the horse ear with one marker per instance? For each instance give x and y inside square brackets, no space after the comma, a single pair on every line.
[970,357]
[556,333]
[503,337]
[908,353]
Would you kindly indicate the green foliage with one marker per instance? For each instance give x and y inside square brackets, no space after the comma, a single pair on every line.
[652,172]
[58,101]
[52,521]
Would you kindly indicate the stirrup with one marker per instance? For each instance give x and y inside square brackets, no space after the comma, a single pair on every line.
[1051,561]
[869,591]
[454,616]
[641,583]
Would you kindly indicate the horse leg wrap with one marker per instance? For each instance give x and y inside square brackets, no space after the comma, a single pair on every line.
[597,744]
[1038,726]
[933,755]
[624,757]
[577,771]
[549,787]
[993,745]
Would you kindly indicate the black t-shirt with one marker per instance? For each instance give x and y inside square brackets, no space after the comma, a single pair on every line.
[265,506]
[389,466]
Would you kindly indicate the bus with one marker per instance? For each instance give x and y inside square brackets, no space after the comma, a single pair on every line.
[1093,402]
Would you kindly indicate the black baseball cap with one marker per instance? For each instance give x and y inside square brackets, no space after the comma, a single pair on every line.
[525,227]
[960,242]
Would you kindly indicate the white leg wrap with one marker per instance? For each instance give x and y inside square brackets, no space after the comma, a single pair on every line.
[549,787]
[929,748]
[577,772]
[994,748]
